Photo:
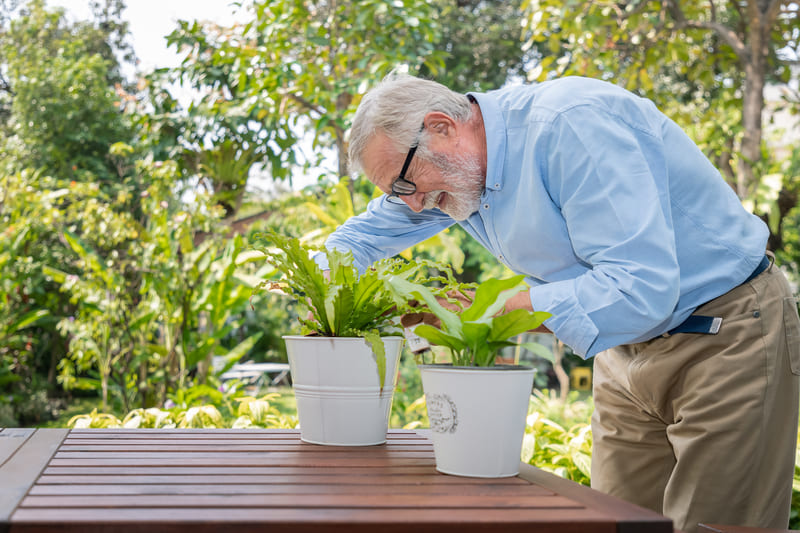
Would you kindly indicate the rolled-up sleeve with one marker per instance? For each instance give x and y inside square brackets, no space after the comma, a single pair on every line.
[384,230]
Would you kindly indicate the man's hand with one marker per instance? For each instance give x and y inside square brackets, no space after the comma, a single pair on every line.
[521,300]
[462,302]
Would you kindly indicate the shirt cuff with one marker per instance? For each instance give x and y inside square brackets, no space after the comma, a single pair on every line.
[569,323]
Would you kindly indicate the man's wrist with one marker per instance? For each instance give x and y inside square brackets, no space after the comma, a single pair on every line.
[521,300]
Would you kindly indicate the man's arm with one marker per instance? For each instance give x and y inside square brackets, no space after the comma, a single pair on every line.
[384,230]
[521,300]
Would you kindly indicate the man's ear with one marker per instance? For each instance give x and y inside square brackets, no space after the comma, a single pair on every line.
[439,124]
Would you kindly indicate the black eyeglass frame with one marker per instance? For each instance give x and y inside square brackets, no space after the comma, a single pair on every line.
[406,187]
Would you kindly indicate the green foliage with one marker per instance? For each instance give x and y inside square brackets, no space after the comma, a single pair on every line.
[794,515]
[408,403]
[298,64]
[476,334]
[558,436]
[482,44]
[251,412]
[149,306]
[64,112]
[342,301]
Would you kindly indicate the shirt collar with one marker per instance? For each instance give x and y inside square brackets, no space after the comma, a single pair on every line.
[495,127]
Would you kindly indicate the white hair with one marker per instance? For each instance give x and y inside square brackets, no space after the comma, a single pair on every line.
[397,107]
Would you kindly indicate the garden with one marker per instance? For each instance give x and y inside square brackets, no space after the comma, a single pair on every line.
[136,207]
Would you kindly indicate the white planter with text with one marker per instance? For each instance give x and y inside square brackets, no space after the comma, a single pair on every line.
[477,417]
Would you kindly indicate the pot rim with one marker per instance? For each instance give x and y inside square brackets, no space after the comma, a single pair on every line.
[320,337]
[495,368]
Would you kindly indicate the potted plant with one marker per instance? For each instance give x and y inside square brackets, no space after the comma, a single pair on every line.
[477,409]
[344,365]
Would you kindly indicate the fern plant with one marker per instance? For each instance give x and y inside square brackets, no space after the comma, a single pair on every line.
[342,301]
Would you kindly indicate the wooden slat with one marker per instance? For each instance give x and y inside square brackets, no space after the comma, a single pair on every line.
[195,452]
[282,470]
[148,477]
[234,444]
[21,468]
[538,519]
[211,486]
[292,500]
[314,462]
[10,440]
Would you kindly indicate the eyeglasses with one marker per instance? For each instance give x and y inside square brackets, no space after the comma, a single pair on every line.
[401,186]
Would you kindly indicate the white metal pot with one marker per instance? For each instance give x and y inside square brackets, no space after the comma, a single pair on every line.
[339,398]
[477,417]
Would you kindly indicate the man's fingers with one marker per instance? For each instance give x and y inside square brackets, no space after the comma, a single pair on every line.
[414,319]
[411,319]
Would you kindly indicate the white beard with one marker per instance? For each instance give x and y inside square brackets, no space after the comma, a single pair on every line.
[464,172]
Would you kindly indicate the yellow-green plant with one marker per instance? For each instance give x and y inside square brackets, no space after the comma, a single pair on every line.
[149,418]
[94,420]
[260,413]
[558,436]
[251,412]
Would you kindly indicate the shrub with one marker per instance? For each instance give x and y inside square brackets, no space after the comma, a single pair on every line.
[251,413]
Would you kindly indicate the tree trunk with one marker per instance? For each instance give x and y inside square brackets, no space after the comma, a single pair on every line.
[343,101]
[752,107]
[558,367]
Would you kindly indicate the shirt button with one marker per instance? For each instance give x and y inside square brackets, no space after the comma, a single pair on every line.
[501,258]
[486,206]
[497,185]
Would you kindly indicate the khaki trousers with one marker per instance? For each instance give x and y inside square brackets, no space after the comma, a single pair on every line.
[703,428]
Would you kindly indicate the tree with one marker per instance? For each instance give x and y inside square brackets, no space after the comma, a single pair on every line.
[62,110]
[705,63]
[300,64]
[482,44]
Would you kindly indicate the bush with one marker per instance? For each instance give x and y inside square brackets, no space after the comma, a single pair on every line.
[558,436]
[252,412]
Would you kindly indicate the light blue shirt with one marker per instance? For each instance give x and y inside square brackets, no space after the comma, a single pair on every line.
[619,222]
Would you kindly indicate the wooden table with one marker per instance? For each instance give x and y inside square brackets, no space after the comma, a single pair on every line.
[245,481]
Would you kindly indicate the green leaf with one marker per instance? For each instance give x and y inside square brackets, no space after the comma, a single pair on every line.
[239,351]
[440,338]
[375,341]
[516,322]
[475,337]
[58,276]
[491,296]
[201,351]
[538,349]
[26,320]
[450,321]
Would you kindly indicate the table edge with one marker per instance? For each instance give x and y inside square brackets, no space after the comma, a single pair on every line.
[630,518]
[24,467]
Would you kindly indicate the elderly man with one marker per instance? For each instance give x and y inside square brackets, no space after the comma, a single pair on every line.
[643,254]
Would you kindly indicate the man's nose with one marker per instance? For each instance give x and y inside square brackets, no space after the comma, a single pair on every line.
[415,201]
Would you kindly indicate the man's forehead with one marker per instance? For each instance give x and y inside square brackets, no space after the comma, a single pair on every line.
[380,160]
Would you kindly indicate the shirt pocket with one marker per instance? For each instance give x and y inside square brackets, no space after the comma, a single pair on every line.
[791,324]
